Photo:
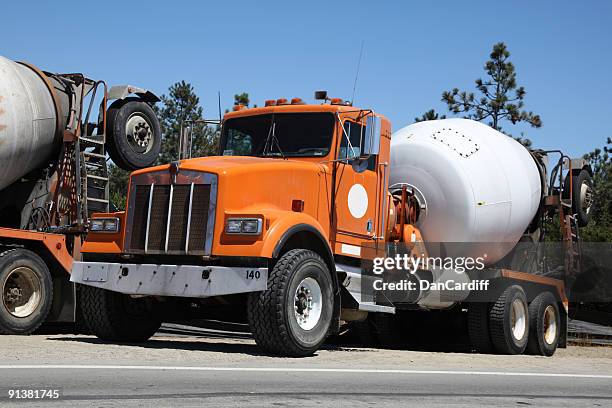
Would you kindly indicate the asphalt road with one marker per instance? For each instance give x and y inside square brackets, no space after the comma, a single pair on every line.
[226,369]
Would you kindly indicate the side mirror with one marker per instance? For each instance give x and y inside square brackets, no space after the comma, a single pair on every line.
[359,164]
[371,139]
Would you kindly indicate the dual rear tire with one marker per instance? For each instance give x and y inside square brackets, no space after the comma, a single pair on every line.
[544,329]
[512,326]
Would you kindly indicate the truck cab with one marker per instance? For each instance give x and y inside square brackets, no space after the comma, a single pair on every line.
[295,188]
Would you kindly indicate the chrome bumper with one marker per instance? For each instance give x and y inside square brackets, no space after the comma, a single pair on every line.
[170,280]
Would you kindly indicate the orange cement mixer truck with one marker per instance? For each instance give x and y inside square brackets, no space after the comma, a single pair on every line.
[281,226]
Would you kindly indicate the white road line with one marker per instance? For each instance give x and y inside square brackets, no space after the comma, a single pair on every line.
[297,370]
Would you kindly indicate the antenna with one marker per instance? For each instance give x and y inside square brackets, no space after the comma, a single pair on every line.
[357,73]
[219,103]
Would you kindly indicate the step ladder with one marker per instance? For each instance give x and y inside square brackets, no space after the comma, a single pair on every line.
[94,175]
[94,171]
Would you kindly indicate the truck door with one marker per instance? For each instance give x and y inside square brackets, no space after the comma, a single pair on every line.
[356,195]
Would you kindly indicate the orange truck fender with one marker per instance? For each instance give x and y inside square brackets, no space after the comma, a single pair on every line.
[289,225]
[54,243]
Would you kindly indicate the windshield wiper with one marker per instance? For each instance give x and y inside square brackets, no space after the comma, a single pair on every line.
[272,138]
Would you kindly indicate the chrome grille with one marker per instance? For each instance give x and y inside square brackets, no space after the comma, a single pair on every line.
[171,218]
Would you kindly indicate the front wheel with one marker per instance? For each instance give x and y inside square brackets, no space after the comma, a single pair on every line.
[293,316]
[117,317]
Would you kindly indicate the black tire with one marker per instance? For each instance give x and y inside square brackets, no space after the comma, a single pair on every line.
[117,317]
[271,312]
[541,327]
[27,291]
[366,332]
[581,206]
[500,322]
[387,328]
[123,147]
[478,327]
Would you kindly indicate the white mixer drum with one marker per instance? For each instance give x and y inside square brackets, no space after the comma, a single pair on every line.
[475,185]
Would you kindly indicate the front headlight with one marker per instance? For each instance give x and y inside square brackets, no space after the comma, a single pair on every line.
[246,226]
[104,225]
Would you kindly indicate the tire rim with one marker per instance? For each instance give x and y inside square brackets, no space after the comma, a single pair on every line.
[518,319]
[138,133]
[586,197]
[21,292]
[308,303]
[550,325]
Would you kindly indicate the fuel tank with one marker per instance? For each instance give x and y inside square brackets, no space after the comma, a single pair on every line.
[475,185]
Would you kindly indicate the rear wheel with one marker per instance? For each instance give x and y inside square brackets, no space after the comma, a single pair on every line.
[509,321]
[293,316]
[27,291]
[117,317]
[478,327]
[544,326]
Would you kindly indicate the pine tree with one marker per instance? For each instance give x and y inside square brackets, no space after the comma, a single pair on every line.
[600,225]
[118,184]
[242,99]
[500,99]
[430,115]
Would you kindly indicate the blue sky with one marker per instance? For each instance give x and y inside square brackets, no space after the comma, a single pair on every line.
[413,51]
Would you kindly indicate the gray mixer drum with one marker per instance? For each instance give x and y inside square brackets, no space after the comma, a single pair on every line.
[28,122]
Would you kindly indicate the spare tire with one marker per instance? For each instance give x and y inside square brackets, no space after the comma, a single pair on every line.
[133,134]
[582,195]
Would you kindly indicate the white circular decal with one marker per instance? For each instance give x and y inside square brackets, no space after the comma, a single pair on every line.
[358,201]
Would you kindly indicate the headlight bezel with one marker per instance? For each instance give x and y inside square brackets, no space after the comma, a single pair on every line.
[242,222]
[105,225]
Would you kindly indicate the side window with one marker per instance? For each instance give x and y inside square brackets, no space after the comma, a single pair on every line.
[355,133]
[238,144]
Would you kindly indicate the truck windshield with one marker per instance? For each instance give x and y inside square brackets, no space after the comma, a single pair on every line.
[279,134]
